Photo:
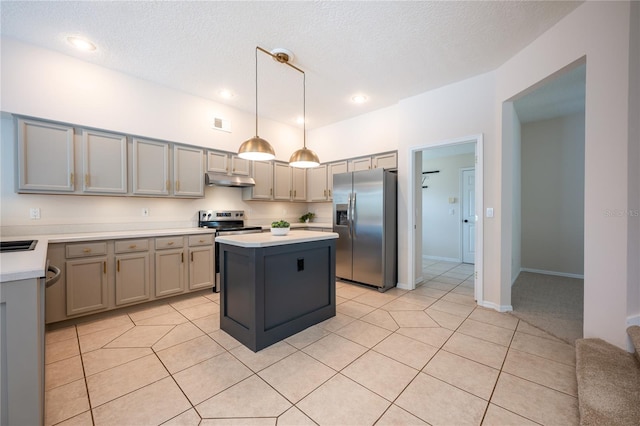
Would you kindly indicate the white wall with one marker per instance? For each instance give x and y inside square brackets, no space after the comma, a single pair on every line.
[441,234]
[599,31]
[553,195]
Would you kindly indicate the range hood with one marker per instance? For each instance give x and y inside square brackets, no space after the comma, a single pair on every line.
[219,179]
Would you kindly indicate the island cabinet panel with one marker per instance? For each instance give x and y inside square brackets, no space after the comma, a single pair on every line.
[295,284]
[270,293]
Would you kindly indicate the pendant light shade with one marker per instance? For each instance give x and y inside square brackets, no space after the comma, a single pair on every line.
[304,158]
[256,148]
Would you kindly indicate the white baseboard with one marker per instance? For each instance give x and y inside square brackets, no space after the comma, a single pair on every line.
[443,259]
[403,286]
[633,320]
[558,274]
[514,280]
[496,307]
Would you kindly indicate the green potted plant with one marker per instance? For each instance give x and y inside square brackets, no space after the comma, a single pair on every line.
[307,217]
[280,227]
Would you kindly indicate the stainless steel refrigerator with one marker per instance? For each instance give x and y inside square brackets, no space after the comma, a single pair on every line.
[364,216]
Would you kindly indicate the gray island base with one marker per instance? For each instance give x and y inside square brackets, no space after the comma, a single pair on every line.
[272,287]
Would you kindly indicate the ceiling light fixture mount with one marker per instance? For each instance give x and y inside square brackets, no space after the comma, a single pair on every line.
[257,148]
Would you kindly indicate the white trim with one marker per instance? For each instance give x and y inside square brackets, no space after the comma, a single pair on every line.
[514,280]
[460,195]
[633,320]
[411,201]
[444,259]
[557,274]
[404,286]
[499,308]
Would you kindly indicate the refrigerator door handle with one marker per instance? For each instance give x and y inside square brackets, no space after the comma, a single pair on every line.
[353,215]
[349,223]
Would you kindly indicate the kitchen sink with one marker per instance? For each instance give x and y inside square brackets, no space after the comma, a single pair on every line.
[24,245]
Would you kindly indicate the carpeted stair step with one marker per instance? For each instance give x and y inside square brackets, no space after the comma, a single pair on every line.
[634,333]
[608,383]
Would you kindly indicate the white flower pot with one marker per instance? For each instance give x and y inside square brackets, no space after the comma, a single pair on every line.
[280,231]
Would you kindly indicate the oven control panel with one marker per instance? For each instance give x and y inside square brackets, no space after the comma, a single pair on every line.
[215,215]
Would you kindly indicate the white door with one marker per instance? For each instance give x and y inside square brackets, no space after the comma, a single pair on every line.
[468,215]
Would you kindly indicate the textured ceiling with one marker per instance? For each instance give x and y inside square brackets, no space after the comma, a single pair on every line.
[386,50]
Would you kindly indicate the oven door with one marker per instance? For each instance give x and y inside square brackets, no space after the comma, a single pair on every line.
[217,245]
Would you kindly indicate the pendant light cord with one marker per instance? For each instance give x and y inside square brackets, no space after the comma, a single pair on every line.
[256,90]
[304,110]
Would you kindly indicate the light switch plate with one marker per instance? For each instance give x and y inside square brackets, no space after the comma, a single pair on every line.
[489,211]
[34,213]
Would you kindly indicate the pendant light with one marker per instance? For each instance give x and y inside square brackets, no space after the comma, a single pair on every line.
[304,158]
[256,148]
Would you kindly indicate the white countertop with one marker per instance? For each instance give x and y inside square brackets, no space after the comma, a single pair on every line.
[22,265]
[266,239]
[318,225]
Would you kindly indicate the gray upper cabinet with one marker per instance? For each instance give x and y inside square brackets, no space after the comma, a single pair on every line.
[387,160]
[262,173]
[358,164]
[104,162]
[150,168]
[188,171]
[45,157]
[227,163]
[317,183]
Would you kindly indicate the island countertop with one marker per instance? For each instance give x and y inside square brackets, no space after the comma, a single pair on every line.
[266,239]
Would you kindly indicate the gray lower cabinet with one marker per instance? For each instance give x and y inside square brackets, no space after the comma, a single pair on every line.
[132,271]
[169,266]
[86,285]
[104,275]
[201,262]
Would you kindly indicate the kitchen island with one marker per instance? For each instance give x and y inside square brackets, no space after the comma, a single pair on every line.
[272,287]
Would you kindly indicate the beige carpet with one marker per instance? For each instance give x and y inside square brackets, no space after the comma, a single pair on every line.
[551,303]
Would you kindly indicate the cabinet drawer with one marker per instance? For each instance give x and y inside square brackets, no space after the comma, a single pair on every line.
[129,246]
[200,240]
[169,242]
[88,249]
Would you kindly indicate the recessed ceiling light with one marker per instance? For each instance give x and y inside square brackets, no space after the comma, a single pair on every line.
[226,94]
[81,43]
[359,99]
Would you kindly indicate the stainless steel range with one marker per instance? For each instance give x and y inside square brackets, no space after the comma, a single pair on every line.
[225,222]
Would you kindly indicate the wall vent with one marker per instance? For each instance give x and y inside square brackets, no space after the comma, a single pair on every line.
[221,124]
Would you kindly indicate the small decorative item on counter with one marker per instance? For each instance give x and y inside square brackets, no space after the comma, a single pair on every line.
[280,227]
[307,217]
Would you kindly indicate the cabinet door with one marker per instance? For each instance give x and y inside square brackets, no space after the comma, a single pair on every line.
[150,167]
[299,184]
[317,183]
[281,181]
[239,166]
[359,164]
[217,162]
[333,169]
[169,272]
[45,157]
[105,162]
[263,175]
[201,267]
[132,278]
[86,285]
[188,171]
[385,161]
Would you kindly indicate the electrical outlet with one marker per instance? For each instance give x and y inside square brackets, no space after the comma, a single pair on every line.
[145,211]
[34,213]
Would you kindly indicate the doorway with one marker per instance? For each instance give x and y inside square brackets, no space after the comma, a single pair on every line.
[448,206]
[548,279]
[467,214]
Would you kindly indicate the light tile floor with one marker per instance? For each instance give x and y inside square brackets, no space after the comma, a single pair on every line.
[428,356]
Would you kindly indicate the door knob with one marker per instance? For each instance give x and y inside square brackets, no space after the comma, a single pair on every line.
[466,221]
